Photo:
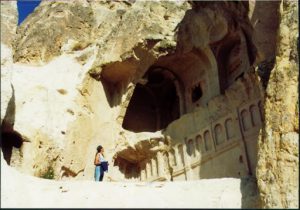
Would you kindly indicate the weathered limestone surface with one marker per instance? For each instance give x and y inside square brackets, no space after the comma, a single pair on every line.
[214,193]
[204,26]
[104,24]
[58,47]
[264,16]
[79,65]
[42,35]
[278,157]
[9,19]
[69,41]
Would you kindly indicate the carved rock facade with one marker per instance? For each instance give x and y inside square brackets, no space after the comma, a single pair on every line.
[175,96]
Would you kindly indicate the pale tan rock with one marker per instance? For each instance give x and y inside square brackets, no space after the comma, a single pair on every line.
[9,18]
[65,20]
[70,106]
[85,66]
[265,19]
[214,193]
[74,111]
[278,163]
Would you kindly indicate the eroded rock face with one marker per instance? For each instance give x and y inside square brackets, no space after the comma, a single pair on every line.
[210,52]
[9,19]
[172,97]
[278,163]
[73,111]
[265,18]
[205,64]
[52,29]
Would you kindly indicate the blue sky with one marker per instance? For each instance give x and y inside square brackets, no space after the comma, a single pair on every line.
[25,7]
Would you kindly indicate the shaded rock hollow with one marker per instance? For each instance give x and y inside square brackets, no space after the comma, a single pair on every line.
[175,96]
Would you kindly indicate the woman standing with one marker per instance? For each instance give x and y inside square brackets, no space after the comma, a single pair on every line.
[99,158]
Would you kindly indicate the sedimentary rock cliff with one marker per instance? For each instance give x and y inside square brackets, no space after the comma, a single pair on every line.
[9,21]
[64,113]
[278,155]
[168,88]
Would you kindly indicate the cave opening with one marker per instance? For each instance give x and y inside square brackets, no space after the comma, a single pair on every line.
[196,93]
[8,141]
[130,170]
[154,105]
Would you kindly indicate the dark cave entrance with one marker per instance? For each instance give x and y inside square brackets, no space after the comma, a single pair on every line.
[196,93]
[153,105]
[130,170]
[10,139]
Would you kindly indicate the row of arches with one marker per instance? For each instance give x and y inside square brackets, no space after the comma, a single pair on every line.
[251,116]
[204,142]
[150,169]
[226,131]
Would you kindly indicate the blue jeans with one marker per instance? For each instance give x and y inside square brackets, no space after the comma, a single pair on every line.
[99,173]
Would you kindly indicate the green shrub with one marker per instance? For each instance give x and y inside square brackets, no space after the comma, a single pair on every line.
[48,174]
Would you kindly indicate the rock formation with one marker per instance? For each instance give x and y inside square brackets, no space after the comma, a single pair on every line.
[187,92]
[278,163]
[8,33]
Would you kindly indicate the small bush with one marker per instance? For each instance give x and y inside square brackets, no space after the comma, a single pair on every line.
[49,174]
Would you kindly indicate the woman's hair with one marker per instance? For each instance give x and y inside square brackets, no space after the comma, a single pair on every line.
[99,148]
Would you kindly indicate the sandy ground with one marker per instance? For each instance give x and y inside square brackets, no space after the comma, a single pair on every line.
[19,190]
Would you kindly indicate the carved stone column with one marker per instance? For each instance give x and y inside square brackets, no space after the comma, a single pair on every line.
[148,169]
[160,166]
[187,164]
[178,159]
[167,172]
[143,174]
[154,167]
